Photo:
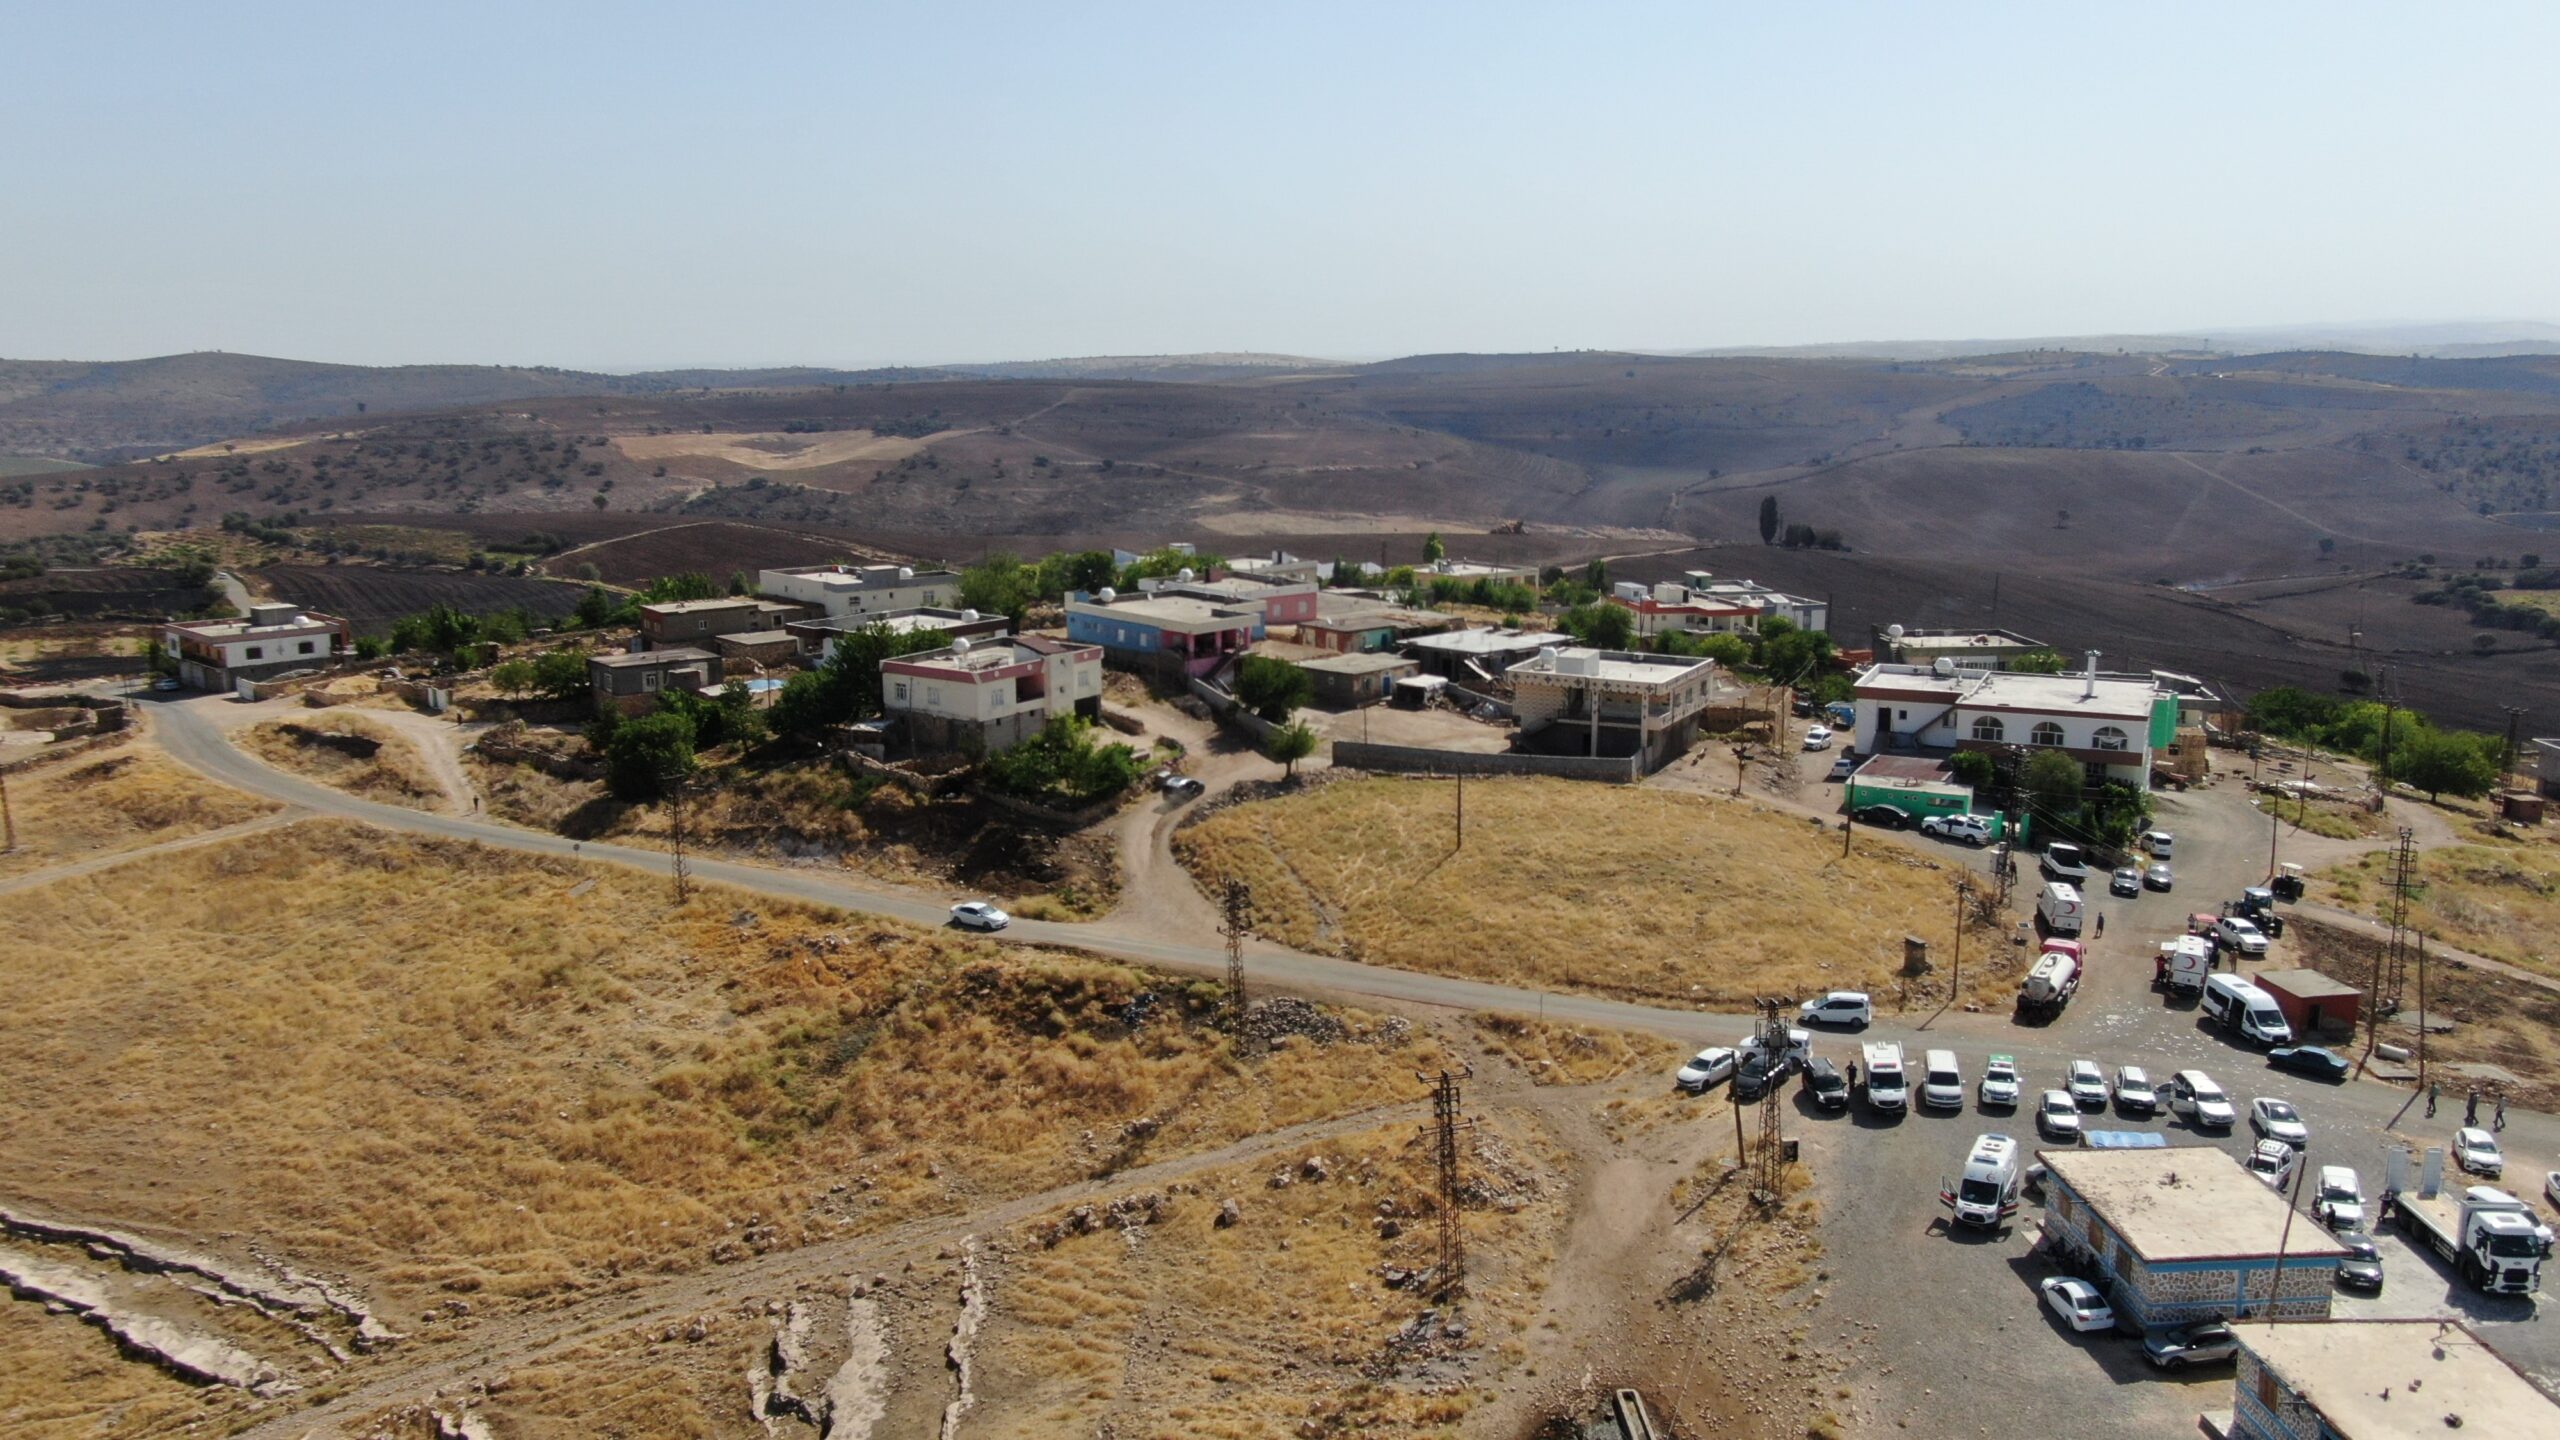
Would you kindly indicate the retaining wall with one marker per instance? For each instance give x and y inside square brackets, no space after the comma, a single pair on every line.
[1420,760]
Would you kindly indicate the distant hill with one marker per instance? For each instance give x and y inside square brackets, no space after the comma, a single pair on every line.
[2450,340]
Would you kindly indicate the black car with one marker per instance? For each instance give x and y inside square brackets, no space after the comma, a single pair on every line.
[2362,1269]
[1824,1082]
[1754,1078]
[2309,1060]
[1886,816]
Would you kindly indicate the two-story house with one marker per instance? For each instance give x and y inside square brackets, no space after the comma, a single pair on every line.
[2110,724]
[276,638]
[1610,703]
[983,696]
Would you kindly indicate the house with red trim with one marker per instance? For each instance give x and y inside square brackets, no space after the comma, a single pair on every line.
[982,696]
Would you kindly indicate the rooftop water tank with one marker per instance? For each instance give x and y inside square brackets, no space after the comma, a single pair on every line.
[906,572]
[1106,595]
[960,646]
[1944,666]
[968,616]
[1183,575]
[1893,632]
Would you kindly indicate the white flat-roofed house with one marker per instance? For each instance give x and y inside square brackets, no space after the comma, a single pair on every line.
[2380,1380]
[2183,1234]
[274,639]
[2111,724]
[984,696]
[1669,606]
[860,589]
[1801,611]
[1476,658]
[1610,703]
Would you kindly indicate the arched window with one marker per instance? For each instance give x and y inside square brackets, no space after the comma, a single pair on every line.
[2110,738]
[2045,733]
[1989,728]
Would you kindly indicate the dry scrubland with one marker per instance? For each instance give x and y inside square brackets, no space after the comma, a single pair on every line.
[2498,896]
[446,1071]
[350,752]
[2497,1019]
[1630,892]
[111,800]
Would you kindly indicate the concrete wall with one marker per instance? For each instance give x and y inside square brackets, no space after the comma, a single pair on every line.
[1420,760]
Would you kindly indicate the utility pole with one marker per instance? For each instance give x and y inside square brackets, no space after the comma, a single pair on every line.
[2284,1238]
[676,837]
[1462,810]
[8,817]
[1443,1129]
[2275,828]
[1964,892]
[2382,767]
[1238,902]
[1773,1042]
[2507,764]
[2383,992]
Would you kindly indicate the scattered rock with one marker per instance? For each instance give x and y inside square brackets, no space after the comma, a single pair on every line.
[1229,1212]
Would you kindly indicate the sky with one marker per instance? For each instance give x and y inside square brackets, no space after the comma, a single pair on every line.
[636,185]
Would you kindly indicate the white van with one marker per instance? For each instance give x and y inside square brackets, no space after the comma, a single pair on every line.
[2060,909]
[1887,1088]
[1987,1192]
[2193,1094]
[1941,1083]
[2246,1010]
[2159,843]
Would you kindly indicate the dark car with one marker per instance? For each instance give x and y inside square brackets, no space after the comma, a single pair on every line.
[2126,882]
[1824,1082]
[2204,1343]
[2309,1060]
[1754,1078]
[1886,816]
[2362,1269]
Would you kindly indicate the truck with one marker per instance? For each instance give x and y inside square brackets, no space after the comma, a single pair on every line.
[1887,1087]
[2183,965]
[2059,909]
[2051,982]
[2487,1234]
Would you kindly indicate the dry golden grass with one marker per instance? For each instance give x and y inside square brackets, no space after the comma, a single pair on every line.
[60,1378]
[1556,1054]
[443,1068]
[1182,1329]
[2334,819]
[323,746]
[2497,1019]
[2499,898]
[112,800]
[1633,892]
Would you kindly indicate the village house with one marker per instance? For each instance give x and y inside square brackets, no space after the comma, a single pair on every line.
[1357,678]
[1279,565]
[673,623]
[983,696]
[1470,571]
[1477,658]
[1670,606]
[756,650]
[1797,610]
[1349,623]
[2110,724]
[2177,1235]
[1167,633]
[631,682]
[1972,649]
[274,639]
[1277,602]
[1610,703]
[2379,1380]
[860,590]
[817,637]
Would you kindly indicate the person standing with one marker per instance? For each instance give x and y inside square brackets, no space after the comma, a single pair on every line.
[2471,1108]
[2433,1090]
[2102,925]
[2500,1123]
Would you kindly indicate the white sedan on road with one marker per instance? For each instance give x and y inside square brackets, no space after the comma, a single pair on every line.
[2078,1303]
[1818,738]
[2275,1119]
[2476,1151]
[1704,1069]
[979,915]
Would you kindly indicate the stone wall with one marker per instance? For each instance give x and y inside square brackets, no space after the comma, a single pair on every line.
[1421,760]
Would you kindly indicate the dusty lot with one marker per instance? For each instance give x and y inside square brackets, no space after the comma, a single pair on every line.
[1440,729]
[2496,893]
[350,751]
[114,799]
[1634,892]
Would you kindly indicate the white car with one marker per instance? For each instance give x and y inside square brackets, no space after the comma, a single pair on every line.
[979,915]
[2476,1151]
[1705,1068]
[2273,1162]
[1840,1007]
[2135,1094]
[2088,1084]
[2551,1189]
[2340,1203]
[1799,1050]
[1971,829]
[2275,1119]
[2058,1116]
[2241,935]
[2078,1303]
[1818,738]
[2000,1083]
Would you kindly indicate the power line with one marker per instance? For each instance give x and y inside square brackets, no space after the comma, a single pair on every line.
[1444,1128]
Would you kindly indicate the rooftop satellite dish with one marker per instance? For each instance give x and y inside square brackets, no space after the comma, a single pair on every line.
[1945,665]
[1547,654]
[906,572]
[1183,574]
[1106,595]
[1893,632]
[960,646]
[968,616]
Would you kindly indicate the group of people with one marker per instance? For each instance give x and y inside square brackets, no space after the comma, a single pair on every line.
[2471,1106]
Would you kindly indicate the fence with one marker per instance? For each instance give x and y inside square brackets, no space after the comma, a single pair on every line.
[1421,760]
[1230,711]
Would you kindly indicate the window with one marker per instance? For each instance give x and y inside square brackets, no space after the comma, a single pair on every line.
[898,692]
[1989,728]
[2108,737]
[2045,733]
[1901,714]
[933,695]
[1947,720]
[650,680]
[306,647]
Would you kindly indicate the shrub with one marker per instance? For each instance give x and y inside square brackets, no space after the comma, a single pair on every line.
[1272,688]
[1063,766]
[643,756]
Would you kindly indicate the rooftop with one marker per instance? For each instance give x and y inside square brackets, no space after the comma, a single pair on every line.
[2114,696]
[1467,569]
[2400,1379]
[2307,984]
[1916,769]
[1615,667]
[627,659]
[1052,645]
[1927,640]
[898,622]
[1372,663]
[1175,609]
[759,637]
[688,607]
[852,577]
[263,620]
[984,655]
[2187,1202]
[1490,641]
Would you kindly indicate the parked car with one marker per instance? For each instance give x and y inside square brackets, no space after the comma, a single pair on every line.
[2273,1161]
[2551,1188]
[2127,881]
[2078,1303]
[1704,1069]
[2135,1094]
[2194,1094]
[2234,933]
[1817,737]
[2275,1119]
[2340,1203]
[1999,1083]
[2208,1342]
[2057,1116]
[2157,877]
[165,683]
[1799,1049]
[979,915]
[1180,787]
[2476,1151]
[1971,829]
[2087,1084]
[2362,1269]
[1754,1077]
[1844,767]
[1889,817]
[1824,1082]
[1840,1007]
[2311,1060]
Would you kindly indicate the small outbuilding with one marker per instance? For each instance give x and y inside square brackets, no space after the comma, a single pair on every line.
[2312,1002]
[1360,678]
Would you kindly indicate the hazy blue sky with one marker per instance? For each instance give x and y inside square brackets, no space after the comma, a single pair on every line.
[631,185]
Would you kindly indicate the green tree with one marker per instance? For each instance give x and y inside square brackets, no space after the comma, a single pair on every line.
[599,607]
[737,582]
[1064,765]
[1768,519]
[1272,688]
[1433,551]
[1000,585]
[1601,625]
[1726,650]
[847,686]
[690,585]
[2441,762]
[560,675]
[1973,768]
[1791,656]
[2290,711]
[1290,744]
[1596,575]
[439,629]
[514,678]
[2047,661]
[2052,784]
[645,755]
